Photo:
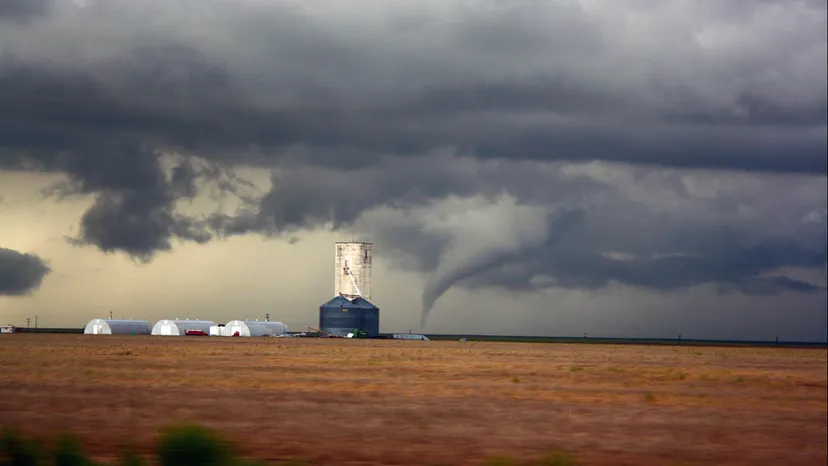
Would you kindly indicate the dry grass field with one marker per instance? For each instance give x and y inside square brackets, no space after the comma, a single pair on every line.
[432,403]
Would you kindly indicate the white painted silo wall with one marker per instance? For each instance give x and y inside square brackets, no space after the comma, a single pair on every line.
[168,327]
[117,327]
[355,259]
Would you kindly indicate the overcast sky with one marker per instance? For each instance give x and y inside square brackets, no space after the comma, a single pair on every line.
[632,168]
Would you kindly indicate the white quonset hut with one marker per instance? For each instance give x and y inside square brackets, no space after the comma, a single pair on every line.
[117,327]
[179,327]
[254,328]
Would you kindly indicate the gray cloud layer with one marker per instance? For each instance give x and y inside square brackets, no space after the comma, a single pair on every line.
[657,230]
[23,10]
[414,104]
[20,274]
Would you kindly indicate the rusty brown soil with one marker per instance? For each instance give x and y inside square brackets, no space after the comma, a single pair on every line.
[433,403]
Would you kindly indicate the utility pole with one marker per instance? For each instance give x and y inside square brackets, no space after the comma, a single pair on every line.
[110,315]
[28,322]
[35,320]
[267,317]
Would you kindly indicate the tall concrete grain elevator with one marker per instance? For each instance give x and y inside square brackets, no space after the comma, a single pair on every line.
[350,309]
[352,269]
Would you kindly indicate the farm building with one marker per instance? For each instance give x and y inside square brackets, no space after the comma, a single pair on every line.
[180,327]
[341,316]
[117,327]
[410,336]
[6,328]
[254,328]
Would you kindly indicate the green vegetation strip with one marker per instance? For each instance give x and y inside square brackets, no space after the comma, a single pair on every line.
[179,445]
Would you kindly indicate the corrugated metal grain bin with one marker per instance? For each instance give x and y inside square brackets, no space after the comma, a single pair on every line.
[117,327]
[341,316]
[254,328]
[179,327]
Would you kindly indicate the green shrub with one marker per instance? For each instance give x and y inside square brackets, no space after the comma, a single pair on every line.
[15,451]
[69,452]
[192,445]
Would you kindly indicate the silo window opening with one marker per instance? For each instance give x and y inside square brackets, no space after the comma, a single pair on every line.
[365,254]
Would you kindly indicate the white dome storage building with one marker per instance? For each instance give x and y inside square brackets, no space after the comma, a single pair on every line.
[177,327]
[254,328]
[117,327]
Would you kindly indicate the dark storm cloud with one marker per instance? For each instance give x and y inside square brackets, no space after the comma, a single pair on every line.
[136,223]
[20,273]
[105,140]
[727,264]
[23,10]
[186,103]
[654,230]
[328,90]
[350,110]
[559,224]
[183,181]
[305,197]
[134,208]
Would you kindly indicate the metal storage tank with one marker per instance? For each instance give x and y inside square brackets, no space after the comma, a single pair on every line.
[370,315]
[341,316]
[352,269]
[117,327]
[254,328]
[179,327]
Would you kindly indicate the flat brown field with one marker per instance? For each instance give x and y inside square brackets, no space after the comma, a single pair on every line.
[413,402]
